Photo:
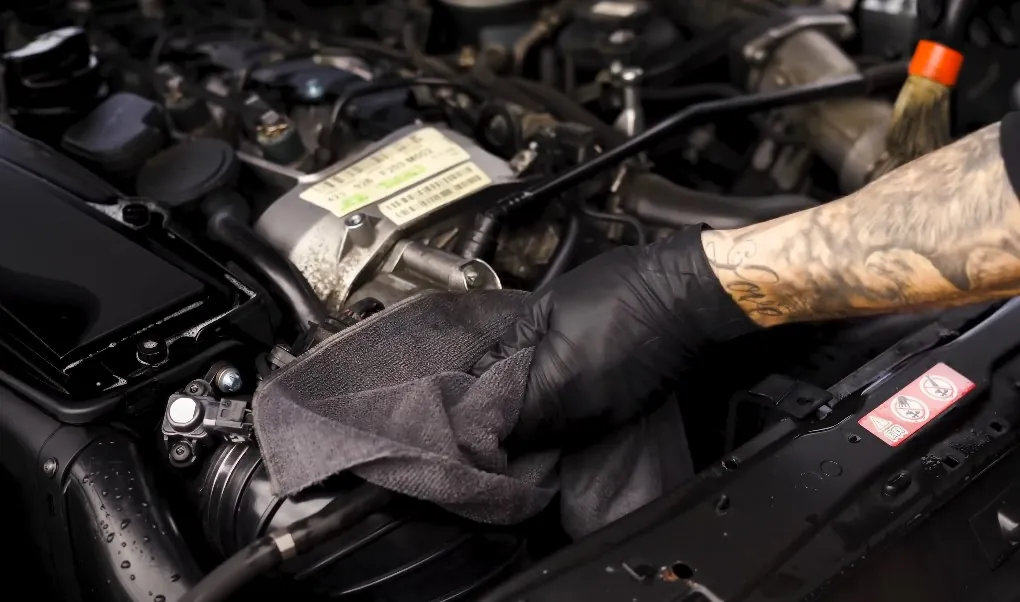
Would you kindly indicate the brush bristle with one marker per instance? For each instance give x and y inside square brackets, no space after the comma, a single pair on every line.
[920,123]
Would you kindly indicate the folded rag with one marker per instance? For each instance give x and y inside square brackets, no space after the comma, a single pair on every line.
[392,400]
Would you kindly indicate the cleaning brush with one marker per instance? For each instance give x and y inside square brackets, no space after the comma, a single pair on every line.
[921,121]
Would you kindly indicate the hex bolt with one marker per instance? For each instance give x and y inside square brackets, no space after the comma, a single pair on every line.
[229,380]
[152,352]
[180,453]
[49,467]
[360,229]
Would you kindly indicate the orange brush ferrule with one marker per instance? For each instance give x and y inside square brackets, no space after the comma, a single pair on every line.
[936,62]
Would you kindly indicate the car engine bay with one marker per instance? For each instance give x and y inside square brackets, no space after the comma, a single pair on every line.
[196,194]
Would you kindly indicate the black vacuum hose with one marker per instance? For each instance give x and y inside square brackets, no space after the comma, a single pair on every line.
[657,201]
[228,225]
[849,85]
[271,550]
[564,252]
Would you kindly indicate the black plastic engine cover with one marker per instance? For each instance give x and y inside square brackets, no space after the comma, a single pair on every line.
[86,276]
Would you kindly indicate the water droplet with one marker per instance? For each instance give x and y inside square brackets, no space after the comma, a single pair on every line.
[85,481]
[146,539]
[109,537]
[131,488]
[125,565]
[160,598]
[117,497]
[175,577]
[104,494]
[124,523]
[123,544]
[132,577]
[145,504]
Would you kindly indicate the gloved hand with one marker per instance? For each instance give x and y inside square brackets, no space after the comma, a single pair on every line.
[609,333]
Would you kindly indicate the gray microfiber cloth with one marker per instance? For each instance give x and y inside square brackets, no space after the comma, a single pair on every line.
[391,400]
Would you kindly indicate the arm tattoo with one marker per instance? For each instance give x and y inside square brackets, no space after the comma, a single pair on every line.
[941,230]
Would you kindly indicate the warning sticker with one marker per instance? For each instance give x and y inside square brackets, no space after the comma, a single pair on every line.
[411,160]
[917,404]
[440,190]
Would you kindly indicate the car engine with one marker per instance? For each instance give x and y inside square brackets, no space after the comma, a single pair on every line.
[197,193]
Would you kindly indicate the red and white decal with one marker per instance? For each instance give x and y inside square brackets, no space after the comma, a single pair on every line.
[915,405]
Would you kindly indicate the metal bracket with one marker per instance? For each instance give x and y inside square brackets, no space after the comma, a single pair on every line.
[757,50]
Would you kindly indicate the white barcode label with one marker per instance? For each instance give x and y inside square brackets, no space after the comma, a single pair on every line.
[440,190]
[412,159]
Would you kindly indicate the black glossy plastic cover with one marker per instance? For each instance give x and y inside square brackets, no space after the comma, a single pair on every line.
[69,280]
[187,172]
[119,134]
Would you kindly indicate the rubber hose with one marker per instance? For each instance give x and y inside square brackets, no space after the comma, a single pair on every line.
[655,200]
[850,85]
[266,553]
[564,251]
[227,227]
[566,108]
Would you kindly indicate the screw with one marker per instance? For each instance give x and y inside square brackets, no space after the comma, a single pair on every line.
[228,380]
[194,388]
[49,467]
[180,453]
[152,352]
[354,220]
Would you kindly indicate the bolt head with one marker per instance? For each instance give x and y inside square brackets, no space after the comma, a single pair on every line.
[229,380]
[180,453]
[354,220]
[50,467]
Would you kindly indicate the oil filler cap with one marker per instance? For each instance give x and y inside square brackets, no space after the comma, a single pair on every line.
[188,172]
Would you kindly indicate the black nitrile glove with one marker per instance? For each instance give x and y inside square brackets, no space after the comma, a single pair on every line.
[609,333]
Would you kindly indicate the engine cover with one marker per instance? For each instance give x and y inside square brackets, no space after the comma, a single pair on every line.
[95,292]
[341,226]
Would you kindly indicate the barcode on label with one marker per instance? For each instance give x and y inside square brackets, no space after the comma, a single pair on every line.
[440,190]
[411,160]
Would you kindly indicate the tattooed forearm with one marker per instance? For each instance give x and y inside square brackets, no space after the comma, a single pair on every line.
[942,230]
